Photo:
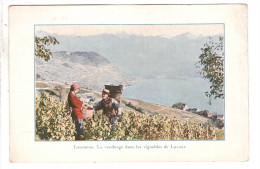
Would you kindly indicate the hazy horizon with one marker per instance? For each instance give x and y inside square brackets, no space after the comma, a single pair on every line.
[168,31]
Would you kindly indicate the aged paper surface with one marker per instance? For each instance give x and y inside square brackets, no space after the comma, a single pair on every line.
[24,148]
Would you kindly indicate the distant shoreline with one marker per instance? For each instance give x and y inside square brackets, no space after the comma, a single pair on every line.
[167,92]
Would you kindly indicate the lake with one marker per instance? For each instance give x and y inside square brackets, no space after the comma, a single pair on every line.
[169,91]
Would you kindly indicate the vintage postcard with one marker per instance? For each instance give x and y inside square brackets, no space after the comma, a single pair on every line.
[158,87]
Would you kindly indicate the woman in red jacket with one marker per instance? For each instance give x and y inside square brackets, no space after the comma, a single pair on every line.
[77,115]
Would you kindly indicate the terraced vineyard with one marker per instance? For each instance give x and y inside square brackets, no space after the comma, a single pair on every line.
[53,122]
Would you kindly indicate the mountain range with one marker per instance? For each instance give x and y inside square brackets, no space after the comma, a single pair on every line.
[140,56]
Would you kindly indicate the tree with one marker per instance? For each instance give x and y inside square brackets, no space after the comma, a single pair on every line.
[211,63]
[38,76]
[40,50]
[61,91]
[205,113]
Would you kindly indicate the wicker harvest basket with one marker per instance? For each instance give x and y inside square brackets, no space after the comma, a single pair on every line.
[88,113]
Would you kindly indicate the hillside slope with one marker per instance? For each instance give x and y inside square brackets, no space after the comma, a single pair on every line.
[149,108]
[88,69]
[165,111]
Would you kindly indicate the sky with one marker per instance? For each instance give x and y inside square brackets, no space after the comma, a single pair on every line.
[144,30]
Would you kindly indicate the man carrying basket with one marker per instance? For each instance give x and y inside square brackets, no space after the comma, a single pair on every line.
[111,108]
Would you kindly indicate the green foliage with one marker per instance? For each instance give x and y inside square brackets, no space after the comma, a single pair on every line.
[219,123]
[97,128]
[40,50]
[204,113]
[62,92]
[137,126]
[53,122]
[139,109]
[179,105]
[211,63]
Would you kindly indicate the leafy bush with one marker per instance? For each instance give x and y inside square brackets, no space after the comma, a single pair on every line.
[53,122]
[137,126]
[204,113]
[219,123]
[139,109]
[180,105]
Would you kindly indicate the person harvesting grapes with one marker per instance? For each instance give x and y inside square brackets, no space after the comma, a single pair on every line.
[111,108]
[76,105]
